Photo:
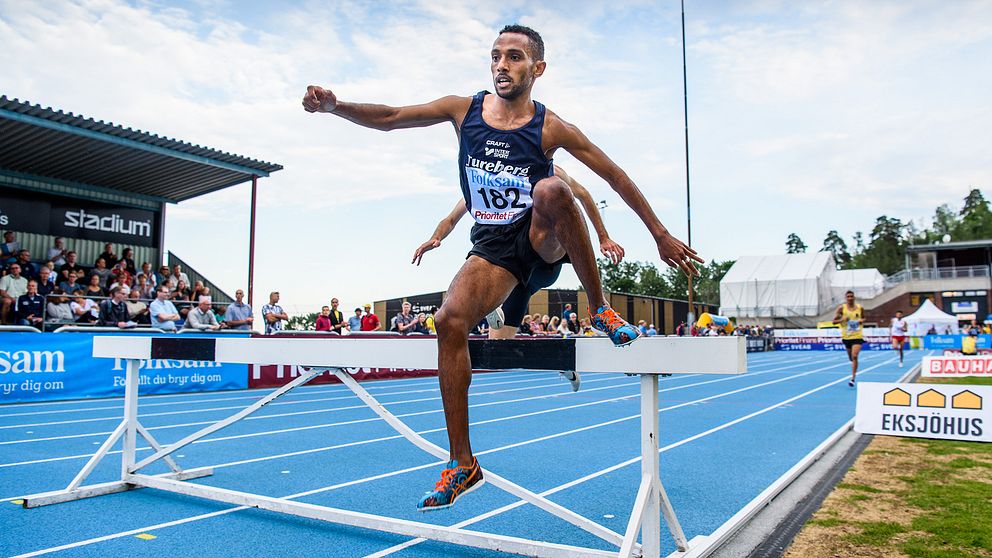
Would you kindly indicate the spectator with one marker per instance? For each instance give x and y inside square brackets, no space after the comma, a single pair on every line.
[30,307]
[108,256]
[137,309]
[238,314]
[84,310]
[566,312]
[143,288]
[120,275]
[70,266]
[405,321]
[9,249]
[45,283]
[680,329]
[198,289]
[338,324]
[94,287]
[58,311]
[182,297]
[355,322]
[163,312]
[554,326]
[524,328]
[323,319]
[652,331]
[422,324]
[70,285]
[101,270]
[162,277]
[273,314]
[150,278]
[430,320]
[573,324]
[370,322]
[642,327]
[56,254]
[481,328]
[113,311]
[28,270]
[202,317]
[544,324]
[12,286]
[127,258]
[179,275]
[585,328]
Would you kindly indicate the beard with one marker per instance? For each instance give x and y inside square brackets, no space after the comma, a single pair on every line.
[515,91]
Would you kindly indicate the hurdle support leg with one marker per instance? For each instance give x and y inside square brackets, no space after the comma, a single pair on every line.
[128,431]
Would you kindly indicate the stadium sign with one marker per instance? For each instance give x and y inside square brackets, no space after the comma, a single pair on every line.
[958,366]
[945,412]
[74,218]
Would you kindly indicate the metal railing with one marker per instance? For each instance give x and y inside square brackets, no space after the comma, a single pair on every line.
[74,325]
[934,273]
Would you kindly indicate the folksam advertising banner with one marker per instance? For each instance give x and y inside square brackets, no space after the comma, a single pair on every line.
[954,341]
[829,339]
[54,366]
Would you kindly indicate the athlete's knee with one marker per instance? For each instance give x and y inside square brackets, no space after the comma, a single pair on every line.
[449,323]
[551,191]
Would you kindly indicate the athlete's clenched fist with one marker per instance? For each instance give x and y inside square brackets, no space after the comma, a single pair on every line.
[319,99]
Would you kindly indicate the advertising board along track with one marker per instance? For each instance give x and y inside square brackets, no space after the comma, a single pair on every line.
[648,358]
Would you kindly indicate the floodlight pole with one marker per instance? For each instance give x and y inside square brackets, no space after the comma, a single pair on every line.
[690,317]
[251,241]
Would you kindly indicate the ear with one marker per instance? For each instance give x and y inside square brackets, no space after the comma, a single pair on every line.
[539,68]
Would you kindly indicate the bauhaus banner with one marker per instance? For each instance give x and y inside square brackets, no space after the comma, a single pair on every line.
[54,366]
[21,210]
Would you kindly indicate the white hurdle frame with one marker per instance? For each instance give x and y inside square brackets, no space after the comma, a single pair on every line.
[724,355]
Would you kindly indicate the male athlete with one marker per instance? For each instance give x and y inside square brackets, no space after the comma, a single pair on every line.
[525,218]
[897,329]
[851,317]
[505,319]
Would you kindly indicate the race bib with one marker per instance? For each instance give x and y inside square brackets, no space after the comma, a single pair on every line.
[853,325]
[497,199]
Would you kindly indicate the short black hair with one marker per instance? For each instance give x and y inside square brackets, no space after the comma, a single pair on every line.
[536,42]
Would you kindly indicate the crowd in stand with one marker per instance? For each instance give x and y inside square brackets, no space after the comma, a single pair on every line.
[59,290]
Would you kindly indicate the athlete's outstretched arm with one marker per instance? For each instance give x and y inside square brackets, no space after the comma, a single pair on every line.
[442,231]
[383,117]
[673,251]
[610,249]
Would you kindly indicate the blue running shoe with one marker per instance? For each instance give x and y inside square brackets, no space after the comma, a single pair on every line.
[609,322]
[455,482]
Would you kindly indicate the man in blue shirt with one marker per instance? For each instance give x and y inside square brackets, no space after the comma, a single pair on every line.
[238,314]
[164,313]
[355,322]
[29,307]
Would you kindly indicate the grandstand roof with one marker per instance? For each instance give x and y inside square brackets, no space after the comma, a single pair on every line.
[55,146]
[959,245]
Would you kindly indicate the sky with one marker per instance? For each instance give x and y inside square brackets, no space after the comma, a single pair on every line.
[803,117]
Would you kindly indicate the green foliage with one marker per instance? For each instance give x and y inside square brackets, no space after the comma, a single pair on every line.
[304,322]
[645,278]
[834,244]
[794,244]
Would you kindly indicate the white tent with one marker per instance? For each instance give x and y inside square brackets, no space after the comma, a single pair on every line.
[927,316]
[778,286]
[866,283]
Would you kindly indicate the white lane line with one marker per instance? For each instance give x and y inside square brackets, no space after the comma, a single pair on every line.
[618,466]
[117,418]
[373,419]
[214,397]
[407,470]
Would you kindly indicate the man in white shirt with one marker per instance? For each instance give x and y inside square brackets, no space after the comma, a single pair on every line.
[274,314]
[12,286]
[898,332]
[56,254]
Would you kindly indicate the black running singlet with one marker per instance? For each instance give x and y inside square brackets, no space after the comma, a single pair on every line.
[498,168]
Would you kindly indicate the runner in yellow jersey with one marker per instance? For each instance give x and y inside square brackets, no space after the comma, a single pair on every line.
[851,317]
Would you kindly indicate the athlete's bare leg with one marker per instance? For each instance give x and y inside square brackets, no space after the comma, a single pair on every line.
[558,228]
[476,290]
[505,332]
[854,352]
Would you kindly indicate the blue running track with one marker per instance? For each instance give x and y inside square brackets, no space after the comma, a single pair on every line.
[724,438]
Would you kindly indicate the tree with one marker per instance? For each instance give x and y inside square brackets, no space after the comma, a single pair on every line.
[976,218]
[886,248]
[794,244]
[945,222]
[304,322]
[834,244]
[620,278]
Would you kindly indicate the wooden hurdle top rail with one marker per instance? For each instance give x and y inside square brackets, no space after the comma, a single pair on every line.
[651,355]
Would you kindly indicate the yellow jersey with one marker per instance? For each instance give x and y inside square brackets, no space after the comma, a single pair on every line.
[850,327]
[969,345]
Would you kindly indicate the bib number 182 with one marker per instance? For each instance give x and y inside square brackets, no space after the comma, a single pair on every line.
[493,198]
